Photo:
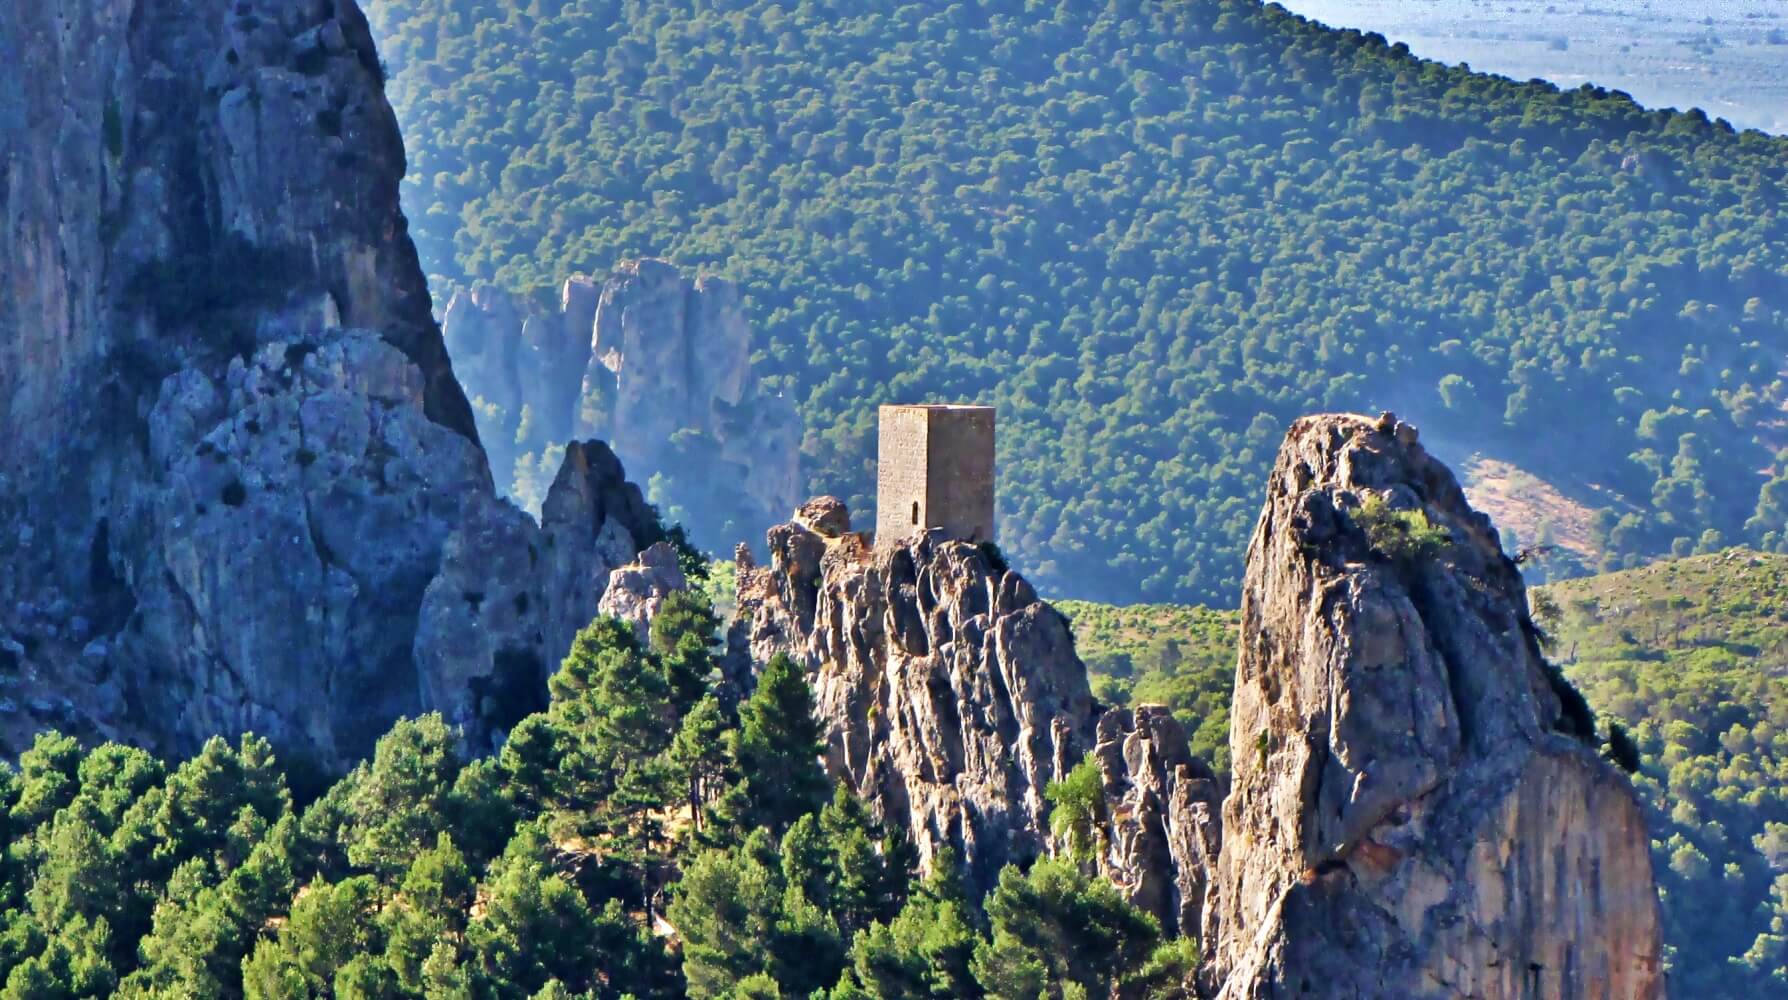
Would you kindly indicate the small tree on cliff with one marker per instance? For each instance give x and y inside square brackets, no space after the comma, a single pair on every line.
[683,641]
[1076,801]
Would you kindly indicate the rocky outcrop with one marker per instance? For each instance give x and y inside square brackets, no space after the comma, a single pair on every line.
[637,590]
[244,490]
[1163,815]
[650,359]
[593,521]
[1416,808]
[952,696]
[510,595]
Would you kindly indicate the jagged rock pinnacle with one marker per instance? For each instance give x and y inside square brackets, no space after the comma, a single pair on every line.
[1415,811]
[952,696]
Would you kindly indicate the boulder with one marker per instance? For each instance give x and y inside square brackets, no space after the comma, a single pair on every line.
[637,590]
[826,516]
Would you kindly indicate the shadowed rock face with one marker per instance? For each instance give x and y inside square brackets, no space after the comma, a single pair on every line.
[237,453]
[952,696]
[651,359]
[510,596]
[1414,810]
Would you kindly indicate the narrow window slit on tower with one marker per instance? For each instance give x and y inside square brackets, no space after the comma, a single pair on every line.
[915,512]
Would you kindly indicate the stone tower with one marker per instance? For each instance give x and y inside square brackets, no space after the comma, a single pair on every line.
[935,470]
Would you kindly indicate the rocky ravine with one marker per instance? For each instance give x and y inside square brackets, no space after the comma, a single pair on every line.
[1416,810]
[651,360]
[243,489]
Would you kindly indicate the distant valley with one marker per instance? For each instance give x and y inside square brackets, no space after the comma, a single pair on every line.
[1151,237]
[1729,58]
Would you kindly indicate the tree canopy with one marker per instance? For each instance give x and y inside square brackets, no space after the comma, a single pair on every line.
[646,805]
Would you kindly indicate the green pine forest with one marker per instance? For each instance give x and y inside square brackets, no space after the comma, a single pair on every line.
[1689,656]
[651,835]
[1152,232]
[644,805]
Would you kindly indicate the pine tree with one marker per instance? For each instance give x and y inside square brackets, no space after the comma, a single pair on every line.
[925,951]
[47,779]
[436,895]
[1056,928]
[404,797]
[613,706]
[700,757]
[726,909]
[777,753]
[870,871]
[535,927]
[331,927]
[683,634]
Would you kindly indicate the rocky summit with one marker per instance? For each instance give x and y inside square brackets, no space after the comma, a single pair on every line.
[243,488]
[952,697]
[1418,807]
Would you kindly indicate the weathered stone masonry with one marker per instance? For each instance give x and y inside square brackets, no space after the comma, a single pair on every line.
[935,470]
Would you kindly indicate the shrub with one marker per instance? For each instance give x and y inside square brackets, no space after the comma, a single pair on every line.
[1077,800]
[996,560]
[1402,536]
[1621,749]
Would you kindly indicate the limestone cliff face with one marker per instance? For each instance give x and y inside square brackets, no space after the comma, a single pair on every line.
[952,696]
[1414,812]
[510,595]
[237,453]
[650,359]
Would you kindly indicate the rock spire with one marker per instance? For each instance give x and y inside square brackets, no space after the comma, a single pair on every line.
[1417,808]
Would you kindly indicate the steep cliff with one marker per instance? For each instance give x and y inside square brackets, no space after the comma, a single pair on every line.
[952,697]
[655,362]
[237,451]
[1418,808]
[510,595]
[1415,808]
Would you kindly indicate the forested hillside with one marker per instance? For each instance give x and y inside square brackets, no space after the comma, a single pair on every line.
[1693,656]
[1690,656]
[1152,233]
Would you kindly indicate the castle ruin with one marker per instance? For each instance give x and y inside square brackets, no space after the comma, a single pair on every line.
[935,470]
